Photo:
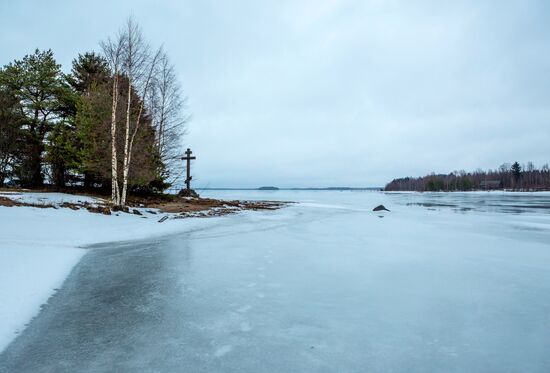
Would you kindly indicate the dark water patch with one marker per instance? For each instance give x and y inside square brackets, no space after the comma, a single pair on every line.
[430,204]
[532,206]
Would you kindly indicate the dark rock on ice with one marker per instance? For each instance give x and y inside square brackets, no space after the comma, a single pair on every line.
[380,208]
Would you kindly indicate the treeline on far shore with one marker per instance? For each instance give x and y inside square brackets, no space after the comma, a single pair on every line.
[508,176]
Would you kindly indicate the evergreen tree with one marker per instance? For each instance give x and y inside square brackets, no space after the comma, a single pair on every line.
[10,134]
[37,84]
[62,145]
[516,171]
[88,70]
[89,76]
[93,121]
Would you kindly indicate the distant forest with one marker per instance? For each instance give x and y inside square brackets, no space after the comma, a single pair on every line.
[114,124]
[507,177]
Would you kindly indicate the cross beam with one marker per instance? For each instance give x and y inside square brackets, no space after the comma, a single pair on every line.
[188,158]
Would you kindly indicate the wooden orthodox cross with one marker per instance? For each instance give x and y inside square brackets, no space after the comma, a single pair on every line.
[188,158]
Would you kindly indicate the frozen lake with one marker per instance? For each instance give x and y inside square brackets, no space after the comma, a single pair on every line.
[442,283]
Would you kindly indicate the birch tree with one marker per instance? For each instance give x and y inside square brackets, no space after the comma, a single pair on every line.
[167,104]
[139,66]
[113,51]
[145,78]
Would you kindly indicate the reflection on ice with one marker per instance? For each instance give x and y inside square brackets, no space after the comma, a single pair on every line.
[480,201]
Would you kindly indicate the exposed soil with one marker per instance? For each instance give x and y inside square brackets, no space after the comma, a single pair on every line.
[8,202]
[4,201]
[201,204]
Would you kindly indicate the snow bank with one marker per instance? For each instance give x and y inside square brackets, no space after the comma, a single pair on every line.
[29,273]
[40,246]
[50,198]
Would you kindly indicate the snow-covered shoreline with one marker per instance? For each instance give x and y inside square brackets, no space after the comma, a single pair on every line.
[40,246]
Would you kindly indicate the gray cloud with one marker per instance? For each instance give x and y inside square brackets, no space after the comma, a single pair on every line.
[306,93]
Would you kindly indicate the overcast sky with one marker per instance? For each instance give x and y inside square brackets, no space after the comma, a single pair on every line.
[330,93]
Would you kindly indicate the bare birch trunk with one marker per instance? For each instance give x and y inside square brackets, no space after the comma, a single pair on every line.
[129,142]
[138,68]
[115,196]
[126,166]
[128,159]
[113,50]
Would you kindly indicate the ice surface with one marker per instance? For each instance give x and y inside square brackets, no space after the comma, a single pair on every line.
[40,246]
[445,282]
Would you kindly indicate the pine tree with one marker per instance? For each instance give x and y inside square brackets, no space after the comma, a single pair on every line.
[37,84]
[10,134]
[516,171]
[89,75]
[88,70]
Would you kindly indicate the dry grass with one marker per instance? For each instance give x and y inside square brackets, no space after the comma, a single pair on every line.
[11,203]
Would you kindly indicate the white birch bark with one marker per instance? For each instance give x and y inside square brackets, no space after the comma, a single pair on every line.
[126,164]
[134,62]
[113,54]
[115,197]
[128,147]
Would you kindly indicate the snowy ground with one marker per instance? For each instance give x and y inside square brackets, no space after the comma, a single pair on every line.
[50,198]
[40,246]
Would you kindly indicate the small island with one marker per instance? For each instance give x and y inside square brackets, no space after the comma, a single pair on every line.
[268,188]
